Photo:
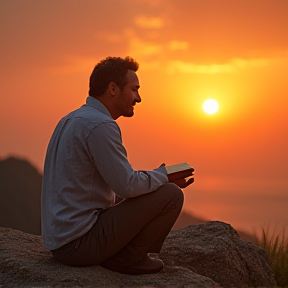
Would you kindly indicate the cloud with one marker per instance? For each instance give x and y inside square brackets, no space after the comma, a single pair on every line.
[149,65]
[244,63]
[139,47]
[178,45]
[178,66]
[149,22]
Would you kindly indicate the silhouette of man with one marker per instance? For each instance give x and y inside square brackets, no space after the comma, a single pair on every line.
[86,168]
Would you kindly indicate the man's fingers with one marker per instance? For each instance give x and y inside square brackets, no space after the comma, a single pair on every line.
[190,181]
[183,183]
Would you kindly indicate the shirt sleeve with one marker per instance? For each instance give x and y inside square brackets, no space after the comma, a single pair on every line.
[110,158]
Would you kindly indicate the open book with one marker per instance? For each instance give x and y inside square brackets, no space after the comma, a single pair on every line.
[179,171]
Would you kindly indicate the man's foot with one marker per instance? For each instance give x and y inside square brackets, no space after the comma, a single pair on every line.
[148,265]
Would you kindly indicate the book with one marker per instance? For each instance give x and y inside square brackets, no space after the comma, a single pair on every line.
[179,171]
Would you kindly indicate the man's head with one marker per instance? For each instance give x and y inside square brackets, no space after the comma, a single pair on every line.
[111,69]
[115,83]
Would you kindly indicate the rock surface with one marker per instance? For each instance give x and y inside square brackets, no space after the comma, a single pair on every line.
[205,255]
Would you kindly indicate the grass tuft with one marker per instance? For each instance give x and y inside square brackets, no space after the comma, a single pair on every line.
[276,245]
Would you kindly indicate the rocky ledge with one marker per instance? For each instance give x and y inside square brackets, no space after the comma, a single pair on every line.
[210,254]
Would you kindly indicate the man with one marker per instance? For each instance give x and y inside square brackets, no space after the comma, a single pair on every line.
[86,166]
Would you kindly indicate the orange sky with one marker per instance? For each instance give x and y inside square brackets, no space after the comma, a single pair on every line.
[233,51]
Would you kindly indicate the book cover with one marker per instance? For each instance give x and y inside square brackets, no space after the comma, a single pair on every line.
[179,171]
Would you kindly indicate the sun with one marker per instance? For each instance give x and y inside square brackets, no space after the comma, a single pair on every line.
[210,106]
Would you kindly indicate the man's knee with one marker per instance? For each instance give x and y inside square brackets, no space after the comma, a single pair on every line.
[172,190]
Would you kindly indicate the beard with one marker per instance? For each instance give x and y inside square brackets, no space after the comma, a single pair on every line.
[129,112]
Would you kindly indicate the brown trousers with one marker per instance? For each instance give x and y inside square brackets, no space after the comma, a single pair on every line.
[127,231]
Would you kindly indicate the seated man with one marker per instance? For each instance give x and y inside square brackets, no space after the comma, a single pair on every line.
[86,167]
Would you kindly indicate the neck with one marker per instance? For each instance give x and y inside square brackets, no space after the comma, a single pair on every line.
[109,105]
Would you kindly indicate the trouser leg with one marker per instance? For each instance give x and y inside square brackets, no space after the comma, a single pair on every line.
[151,236]
[131,229]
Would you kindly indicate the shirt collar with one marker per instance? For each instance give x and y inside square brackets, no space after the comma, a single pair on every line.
[95,103]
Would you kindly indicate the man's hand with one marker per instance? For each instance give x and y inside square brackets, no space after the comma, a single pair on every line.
[183,183]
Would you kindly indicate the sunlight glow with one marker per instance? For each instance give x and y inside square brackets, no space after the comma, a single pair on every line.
[210,106]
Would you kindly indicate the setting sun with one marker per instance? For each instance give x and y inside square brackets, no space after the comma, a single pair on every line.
[210,106]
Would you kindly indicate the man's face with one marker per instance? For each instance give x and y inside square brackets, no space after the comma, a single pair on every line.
[129,96]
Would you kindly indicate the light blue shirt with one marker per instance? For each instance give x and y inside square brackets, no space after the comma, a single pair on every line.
[86,165]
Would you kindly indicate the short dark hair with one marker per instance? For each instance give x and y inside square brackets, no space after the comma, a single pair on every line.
[111,69]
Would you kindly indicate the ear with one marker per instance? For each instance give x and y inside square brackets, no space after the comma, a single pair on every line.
[113,88]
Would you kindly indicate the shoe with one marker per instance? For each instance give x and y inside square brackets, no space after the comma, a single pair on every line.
[148,265]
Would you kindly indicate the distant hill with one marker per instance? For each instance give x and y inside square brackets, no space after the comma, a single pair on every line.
[185,219]
[20,195]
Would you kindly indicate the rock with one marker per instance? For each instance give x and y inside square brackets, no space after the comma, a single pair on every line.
[214,249]
[205,255]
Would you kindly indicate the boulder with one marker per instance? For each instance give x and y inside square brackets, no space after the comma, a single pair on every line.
[206,255]
[214,249]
